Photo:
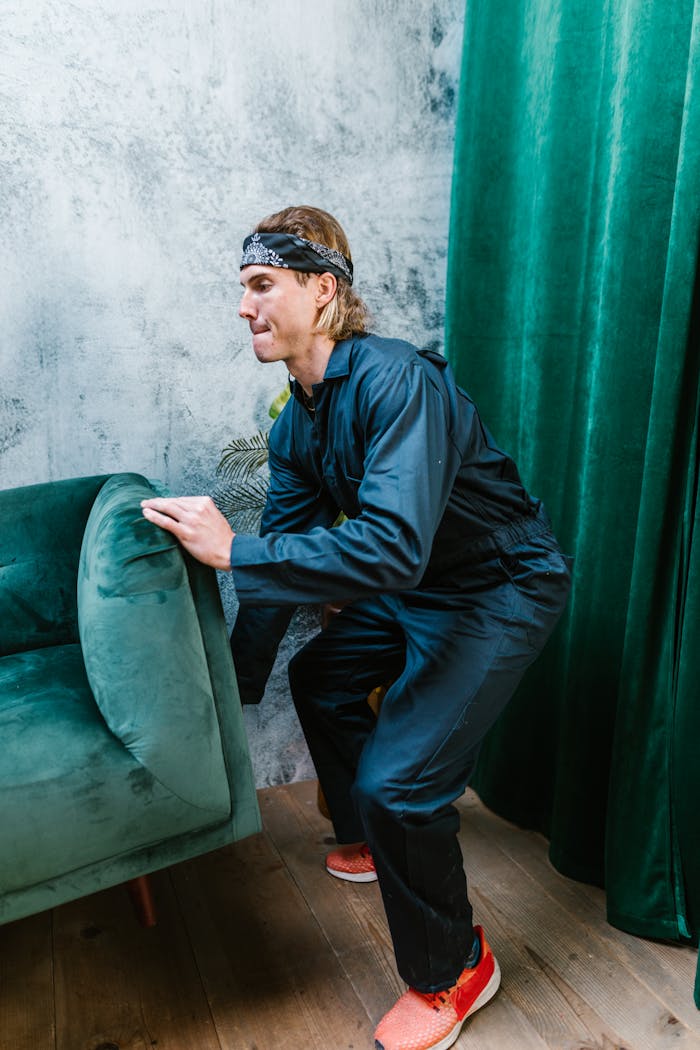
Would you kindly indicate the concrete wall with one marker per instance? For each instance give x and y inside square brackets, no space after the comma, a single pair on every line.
[139,142]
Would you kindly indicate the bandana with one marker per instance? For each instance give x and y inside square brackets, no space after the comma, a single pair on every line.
[294,253]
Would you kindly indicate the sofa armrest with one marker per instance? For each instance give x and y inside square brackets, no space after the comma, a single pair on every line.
[143,650]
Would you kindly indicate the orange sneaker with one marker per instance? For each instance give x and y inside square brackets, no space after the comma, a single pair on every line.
[432,1020]
[352,863]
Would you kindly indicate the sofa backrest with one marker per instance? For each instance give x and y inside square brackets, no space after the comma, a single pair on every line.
[41,532]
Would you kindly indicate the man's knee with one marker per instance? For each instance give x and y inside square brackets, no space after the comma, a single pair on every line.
[375,794]
[383,794]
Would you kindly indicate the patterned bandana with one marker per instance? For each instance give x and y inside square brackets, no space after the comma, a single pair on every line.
[294,253]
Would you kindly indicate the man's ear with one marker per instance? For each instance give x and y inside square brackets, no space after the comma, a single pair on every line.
[326,289]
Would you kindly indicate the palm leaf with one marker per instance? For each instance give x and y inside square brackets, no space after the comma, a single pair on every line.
[239,496]
[243,457]
[240,520]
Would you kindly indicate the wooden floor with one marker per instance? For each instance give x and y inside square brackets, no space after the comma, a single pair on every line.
[257,948]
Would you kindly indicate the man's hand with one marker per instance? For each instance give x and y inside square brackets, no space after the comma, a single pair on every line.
[197,524]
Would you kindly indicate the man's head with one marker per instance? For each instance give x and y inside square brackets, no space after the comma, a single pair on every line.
[308,241]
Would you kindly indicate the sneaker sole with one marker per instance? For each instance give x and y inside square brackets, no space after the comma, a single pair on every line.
[348,876]
[481,1000]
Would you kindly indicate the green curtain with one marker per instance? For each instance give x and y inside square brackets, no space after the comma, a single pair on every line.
[571,274]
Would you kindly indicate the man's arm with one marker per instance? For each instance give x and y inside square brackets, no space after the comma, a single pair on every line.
[293,504]
[410,465]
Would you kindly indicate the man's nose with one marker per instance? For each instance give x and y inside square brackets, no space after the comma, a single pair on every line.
[245,308]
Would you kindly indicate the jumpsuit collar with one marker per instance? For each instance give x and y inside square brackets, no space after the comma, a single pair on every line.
[338,367]
[339,362]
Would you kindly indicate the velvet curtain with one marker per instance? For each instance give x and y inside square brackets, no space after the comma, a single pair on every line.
[572,320]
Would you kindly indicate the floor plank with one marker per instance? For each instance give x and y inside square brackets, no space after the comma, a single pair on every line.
[667,970]
[351,916]
[270,974]
[26,984]
[257,948]
[118,984]
[615,1006]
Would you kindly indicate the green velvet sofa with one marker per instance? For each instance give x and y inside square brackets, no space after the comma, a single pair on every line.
[122,745]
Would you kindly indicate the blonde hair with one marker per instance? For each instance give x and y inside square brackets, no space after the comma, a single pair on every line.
[346,314]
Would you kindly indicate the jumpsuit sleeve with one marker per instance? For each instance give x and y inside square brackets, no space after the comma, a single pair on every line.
[410,464]
[293,503]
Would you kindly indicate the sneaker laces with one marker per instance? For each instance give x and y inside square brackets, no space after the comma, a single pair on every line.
[436,1000]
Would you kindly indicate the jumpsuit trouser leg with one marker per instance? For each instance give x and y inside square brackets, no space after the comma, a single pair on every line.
[393,781]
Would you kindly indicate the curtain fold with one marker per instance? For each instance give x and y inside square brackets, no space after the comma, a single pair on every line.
[573,254]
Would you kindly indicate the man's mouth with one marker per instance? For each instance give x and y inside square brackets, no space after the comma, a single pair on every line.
[258,329]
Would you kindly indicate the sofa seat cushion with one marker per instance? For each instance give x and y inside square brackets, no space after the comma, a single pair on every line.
[71,792]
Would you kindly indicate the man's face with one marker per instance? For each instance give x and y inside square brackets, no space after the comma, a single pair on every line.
[280,311]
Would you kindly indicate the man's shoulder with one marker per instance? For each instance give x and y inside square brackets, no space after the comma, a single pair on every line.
[372,352]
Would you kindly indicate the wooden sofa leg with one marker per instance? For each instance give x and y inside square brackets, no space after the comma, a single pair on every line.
[142,900]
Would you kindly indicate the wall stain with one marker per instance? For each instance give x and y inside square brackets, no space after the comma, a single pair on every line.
[14,422]
[442,94]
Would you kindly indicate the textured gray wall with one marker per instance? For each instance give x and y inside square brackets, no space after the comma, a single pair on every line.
[139,142]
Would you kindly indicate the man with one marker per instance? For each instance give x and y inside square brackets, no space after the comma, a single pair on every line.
[450,581]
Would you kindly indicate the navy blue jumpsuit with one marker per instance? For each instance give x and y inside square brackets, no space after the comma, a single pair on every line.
[453,581]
